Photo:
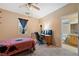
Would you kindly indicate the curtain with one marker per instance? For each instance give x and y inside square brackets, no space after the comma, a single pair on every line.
[23,23]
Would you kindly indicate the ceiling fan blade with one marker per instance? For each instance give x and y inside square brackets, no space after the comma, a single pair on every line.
[35,7]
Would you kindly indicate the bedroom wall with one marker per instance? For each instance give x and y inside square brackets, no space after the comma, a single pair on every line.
[9,25]
[54,20]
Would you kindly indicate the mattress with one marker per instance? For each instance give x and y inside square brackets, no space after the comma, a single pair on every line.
[16,45]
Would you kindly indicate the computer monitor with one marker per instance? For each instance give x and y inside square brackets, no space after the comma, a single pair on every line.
[47,32]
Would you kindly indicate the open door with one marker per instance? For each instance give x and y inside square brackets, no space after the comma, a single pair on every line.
[70,32]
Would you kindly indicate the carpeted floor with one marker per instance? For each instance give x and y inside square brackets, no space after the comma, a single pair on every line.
[43,50]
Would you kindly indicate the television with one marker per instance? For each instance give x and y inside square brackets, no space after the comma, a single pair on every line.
[47,32]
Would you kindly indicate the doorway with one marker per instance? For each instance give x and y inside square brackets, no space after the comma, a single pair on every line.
[69,32]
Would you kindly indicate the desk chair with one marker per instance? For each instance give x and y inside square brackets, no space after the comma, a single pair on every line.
[39,38]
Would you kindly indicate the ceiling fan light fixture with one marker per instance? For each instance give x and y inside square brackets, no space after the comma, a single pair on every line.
[27,13]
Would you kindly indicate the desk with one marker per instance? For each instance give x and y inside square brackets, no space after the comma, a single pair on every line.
[48,39]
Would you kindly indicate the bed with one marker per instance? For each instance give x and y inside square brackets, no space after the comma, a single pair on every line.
[12,46]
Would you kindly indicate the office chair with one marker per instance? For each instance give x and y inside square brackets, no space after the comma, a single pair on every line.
[39,39]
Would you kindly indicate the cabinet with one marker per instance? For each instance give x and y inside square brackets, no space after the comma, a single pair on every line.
[48,39]
[72,40]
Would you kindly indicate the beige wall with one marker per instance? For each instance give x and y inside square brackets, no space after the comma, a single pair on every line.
[9,25]
[55,20]
[9,29]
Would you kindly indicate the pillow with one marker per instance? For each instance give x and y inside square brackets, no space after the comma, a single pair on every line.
[2,48]
[19,39]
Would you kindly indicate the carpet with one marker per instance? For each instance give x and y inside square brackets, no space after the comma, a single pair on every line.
[43,50]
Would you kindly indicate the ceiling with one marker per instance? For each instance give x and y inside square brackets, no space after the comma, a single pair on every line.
[73,16]
[45,8]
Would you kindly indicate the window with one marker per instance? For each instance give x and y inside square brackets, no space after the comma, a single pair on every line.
[22,26]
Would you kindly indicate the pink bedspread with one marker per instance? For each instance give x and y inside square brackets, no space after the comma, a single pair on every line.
[25,43]
[13,41]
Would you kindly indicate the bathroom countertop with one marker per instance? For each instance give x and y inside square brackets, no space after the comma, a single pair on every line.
[75,35]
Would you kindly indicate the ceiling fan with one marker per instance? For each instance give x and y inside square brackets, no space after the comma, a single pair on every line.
[31,5]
